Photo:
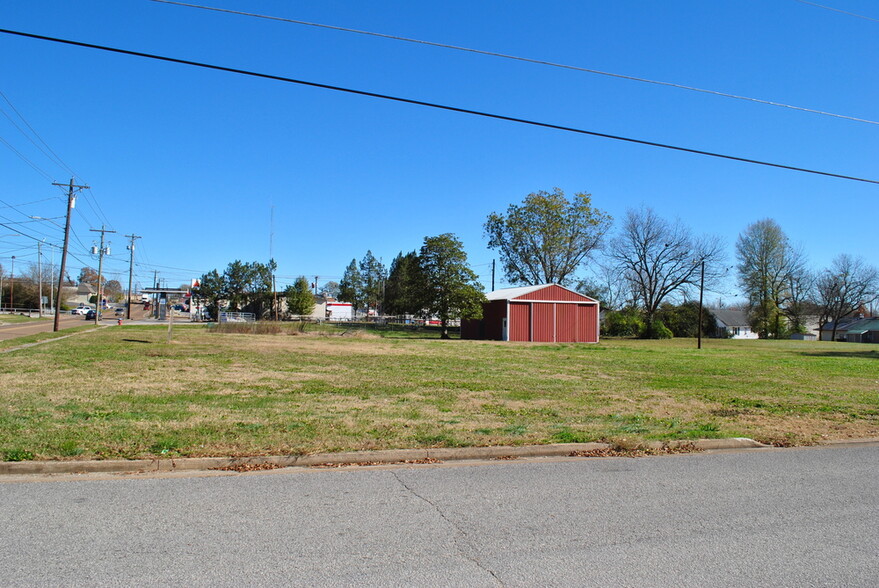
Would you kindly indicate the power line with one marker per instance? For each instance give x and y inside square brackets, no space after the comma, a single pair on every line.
[439,106]
[825,8]
[37,135]
[36,168]
[535,61]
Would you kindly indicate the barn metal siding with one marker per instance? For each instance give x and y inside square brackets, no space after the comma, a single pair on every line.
[587,323]
[543,322]
[493,315]
[566,322]
[520,321]
[473,329]
[553,293]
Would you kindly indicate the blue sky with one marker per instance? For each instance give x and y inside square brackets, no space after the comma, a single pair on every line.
[195,161]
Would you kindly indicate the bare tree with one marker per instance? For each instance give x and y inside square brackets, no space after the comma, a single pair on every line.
[844,287]
[606,284]
[772,273]
[659,258]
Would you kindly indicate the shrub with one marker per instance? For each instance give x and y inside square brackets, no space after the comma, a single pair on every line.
[656,330]
[622,323]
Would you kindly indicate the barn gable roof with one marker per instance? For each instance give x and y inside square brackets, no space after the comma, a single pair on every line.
[524,291]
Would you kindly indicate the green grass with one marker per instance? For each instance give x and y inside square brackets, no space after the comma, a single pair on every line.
[125,392]
[13,319]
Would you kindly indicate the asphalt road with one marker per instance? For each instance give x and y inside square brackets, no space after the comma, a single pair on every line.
[793,517]
[15,330]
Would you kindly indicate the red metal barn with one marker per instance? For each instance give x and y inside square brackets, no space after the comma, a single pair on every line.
[548,313]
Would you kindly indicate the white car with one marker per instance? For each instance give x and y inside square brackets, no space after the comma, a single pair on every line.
[81,310]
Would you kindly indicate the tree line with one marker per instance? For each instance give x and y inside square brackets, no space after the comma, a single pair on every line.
[649,271]
[435,281]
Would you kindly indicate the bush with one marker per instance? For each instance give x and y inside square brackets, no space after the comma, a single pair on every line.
[656,330]
[622,323]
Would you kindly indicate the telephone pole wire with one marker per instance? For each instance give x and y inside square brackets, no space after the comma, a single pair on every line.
[130,275]
[71,202]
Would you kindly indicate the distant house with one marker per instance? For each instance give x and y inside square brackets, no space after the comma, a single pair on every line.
[853,330]
[546,312]
[732,324]
[81,294]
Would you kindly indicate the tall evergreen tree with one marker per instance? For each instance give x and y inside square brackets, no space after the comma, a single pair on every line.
[372,279]
[404,288]
[351,286]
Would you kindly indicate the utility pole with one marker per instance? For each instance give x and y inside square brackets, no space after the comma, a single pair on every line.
[701,292]
[52,282]
[101,253]
[130,275]
[12,285]
[71,202]
[156,296]
[40,275]
[492,275]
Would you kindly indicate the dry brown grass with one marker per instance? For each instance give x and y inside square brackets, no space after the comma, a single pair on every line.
[125,392]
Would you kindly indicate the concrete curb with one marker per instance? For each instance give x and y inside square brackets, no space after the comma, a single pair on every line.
[352,457]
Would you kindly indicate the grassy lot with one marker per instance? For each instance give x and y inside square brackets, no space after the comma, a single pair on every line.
[15,319]
[125,392]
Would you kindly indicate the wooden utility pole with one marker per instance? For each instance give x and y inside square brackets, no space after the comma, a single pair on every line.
[101,251]
[130,275]
[71,202]
[40,275]
[492,275]
[701,292]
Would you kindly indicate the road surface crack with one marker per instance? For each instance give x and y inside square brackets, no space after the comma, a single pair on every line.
[458,530]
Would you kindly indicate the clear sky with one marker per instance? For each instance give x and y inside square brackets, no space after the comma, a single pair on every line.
[198,162]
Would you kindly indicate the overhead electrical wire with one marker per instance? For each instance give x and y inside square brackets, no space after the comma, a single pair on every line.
[36,168]
[91,200]
[437,106]
[838,10]
[530,60]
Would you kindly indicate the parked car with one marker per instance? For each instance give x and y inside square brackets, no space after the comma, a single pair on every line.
[90,315]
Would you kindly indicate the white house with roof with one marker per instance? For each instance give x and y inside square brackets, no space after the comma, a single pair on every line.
[732,324]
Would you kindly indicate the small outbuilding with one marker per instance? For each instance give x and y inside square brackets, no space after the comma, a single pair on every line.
[547,313]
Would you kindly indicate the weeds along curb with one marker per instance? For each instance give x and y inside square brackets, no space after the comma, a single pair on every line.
[390,456]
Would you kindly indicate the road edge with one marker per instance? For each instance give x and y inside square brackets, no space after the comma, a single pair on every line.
[388,456]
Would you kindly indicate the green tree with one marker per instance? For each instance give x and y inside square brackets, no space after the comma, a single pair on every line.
[451,288]
[546,238]
[248,286]
[683,319]
[372,279]
[404,289]
[351,286]
[769,269]
[300,300]
[212,290]
[625,322]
